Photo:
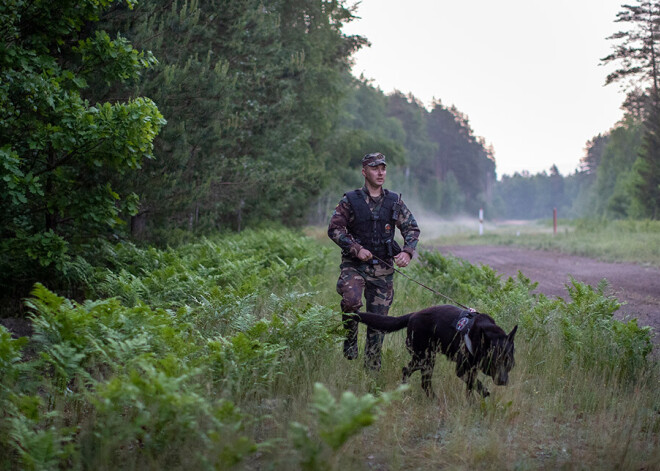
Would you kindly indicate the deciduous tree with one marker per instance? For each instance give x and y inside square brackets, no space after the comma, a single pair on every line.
[56,147]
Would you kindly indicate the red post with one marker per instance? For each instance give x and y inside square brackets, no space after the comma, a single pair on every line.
[554,220]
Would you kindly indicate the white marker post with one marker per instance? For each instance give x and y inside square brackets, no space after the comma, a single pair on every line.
[481,221]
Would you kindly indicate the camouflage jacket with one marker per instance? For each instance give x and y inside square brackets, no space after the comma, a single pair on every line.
[343,215]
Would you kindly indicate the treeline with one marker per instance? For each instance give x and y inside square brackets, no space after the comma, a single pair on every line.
[156,120]
[265,120]
[434,157]
[607,184]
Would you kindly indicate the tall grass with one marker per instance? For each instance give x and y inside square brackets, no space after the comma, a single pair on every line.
[227,353]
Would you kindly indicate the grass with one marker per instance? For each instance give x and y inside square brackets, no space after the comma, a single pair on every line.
[212,355]
[614,241]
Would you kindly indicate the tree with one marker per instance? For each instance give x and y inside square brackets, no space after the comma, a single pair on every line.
[462,153]
[638,53]
[610,194]
[646,179]
[638,50]
[56,148]
[579,186]
[594,154]
[419,149]
[252,91]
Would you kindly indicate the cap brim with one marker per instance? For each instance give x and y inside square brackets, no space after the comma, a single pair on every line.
[375,163]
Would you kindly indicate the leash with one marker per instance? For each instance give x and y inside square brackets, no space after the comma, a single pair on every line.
[423,285]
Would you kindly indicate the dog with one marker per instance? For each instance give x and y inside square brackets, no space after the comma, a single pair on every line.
[473,340]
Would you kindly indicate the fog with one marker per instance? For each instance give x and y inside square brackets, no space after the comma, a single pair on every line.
[434,226]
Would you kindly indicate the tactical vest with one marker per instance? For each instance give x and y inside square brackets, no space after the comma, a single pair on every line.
[374,230]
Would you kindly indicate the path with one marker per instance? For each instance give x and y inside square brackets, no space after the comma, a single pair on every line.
[636,286]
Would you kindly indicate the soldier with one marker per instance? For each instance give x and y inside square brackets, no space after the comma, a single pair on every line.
[363,226]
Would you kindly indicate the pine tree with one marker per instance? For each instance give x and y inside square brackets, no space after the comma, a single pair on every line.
[638,53]
[646,183]
[251,90]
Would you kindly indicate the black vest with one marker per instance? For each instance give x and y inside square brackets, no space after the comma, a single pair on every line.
[375,230]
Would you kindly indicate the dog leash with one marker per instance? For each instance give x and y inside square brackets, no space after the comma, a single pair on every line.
[423,285]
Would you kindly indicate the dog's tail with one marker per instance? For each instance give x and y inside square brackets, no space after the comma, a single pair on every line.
[381,322]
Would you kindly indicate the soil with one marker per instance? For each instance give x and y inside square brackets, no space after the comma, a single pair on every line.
[636,286]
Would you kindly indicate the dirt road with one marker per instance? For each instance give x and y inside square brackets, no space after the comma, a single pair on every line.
[637,286]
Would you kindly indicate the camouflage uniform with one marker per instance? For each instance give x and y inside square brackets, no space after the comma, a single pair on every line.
[372,277]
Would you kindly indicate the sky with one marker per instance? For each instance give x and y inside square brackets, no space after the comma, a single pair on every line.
[527,73]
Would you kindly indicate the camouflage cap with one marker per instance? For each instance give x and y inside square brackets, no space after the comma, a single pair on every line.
[373,159]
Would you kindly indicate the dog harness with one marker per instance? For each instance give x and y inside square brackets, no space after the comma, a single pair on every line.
[463,325]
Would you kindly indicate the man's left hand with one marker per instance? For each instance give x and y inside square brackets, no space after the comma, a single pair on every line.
[402,259]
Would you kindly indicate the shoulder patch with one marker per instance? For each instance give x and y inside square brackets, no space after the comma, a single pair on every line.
[464,323]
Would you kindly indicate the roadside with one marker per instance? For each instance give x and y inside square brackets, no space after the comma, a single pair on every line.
[638,287]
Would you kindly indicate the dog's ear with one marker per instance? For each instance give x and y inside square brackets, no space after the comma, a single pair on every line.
[513,333]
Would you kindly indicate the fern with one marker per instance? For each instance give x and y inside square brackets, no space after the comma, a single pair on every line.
[337,421]
[159,413]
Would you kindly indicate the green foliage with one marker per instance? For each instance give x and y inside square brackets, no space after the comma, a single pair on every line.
[611,191]
[233,358]
[197,378]
[135,380]
[592,338]
[636,53]
[459,153]
[645,185]
[251,90]
[337,422]
[58,148]
[226,269]
[28,432]
[638,48]
[157,411]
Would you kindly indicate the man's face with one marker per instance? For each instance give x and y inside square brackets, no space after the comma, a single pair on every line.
[375,176]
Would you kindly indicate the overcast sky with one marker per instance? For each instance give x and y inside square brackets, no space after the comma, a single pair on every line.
[526,72]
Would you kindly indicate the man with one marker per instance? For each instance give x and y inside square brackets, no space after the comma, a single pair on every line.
[363,226]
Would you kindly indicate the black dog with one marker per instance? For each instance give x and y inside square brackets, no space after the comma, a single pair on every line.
[472,340]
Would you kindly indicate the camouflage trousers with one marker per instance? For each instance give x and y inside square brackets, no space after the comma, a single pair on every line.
[376,281]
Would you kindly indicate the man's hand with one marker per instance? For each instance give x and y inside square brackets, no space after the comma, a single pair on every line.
[402,259]
[365,255]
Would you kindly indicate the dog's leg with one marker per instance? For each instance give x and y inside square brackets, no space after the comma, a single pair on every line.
[470,378]
[482,389]
[427,375]
[414,365]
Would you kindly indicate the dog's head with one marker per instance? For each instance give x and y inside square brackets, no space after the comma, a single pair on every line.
[500,358]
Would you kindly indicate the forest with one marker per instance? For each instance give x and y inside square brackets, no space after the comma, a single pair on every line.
[159,121]
[158,163]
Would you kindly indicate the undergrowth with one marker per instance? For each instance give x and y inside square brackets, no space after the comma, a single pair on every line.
[226,353]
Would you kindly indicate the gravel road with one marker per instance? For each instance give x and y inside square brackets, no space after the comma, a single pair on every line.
[635,285]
